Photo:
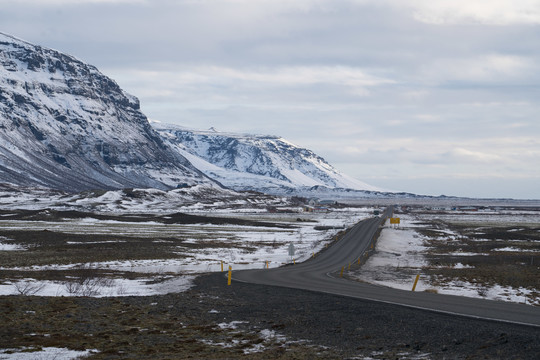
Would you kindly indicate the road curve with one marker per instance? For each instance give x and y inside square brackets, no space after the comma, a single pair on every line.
[322,274]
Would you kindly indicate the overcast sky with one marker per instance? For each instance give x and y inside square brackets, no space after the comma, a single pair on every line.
[424,96]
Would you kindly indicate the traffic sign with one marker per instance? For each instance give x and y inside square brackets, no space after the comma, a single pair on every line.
[291,249]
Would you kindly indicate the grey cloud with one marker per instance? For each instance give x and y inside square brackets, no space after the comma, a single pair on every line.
[372,86]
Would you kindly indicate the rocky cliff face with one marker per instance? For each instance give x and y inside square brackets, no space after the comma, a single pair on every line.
[256,162]
[65,125]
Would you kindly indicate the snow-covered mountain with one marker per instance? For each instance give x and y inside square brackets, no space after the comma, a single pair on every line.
[64,125]
[257,162]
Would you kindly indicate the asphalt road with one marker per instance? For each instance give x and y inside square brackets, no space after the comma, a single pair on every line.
[322,274]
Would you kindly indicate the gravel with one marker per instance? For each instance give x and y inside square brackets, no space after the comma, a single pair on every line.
[353,327]
[216,321]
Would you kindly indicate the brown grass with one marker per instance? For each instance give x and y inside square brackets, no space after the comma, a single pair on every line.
[492,264]
[122,328]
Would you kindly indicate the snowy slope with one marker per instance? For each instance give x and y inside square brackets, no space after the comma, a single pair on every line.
[64,125]
[256,162]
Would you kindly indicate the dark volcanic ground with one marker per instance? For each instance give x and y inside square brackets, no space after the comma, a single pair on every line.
[315,325]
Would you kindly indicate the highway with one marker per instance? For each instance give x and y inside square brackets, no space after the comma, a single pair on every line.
[322,274]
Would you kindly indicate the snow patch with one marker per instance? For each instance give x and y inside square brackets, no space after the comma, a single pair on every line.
[44,353]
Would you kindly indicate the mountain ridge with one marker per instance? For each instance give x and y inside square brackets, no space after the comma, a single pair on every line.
[257,162]
[65,125]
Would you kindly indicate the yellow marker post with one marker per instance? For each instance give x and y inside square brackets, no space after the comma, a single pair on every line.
[230,275]
[221,266]
[341,274]
[294,261]
[267,264]
[358,260]
[312,254]
[415,282]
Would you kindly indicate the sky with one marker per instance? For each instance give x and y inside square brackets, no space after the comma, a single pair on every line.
[424,96]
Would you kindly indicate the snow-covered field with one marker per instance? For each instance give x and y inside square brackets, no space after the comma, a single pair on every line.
[196,249]
[43,354]
[434,244]
[407,250]
[401,253]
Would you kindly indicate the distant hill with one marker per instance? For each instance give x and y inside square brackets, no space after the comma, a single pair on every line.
[263,163]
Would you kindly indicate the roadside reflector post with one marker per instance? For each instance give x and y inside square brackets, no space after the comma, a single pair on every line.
[292,251]
[230,275]
[313,254]
[341,274]
[415,282]
[358,260]
[267,264]
[221,265]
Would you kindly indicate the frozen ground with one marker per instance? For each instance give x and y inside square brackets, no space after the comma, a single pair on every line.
[199,198]
[401,253]
[199,250]
[195,249]
[409,249]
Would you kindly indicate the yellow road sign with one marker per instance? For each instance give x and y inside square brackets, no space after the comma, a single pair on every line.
[394,220]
